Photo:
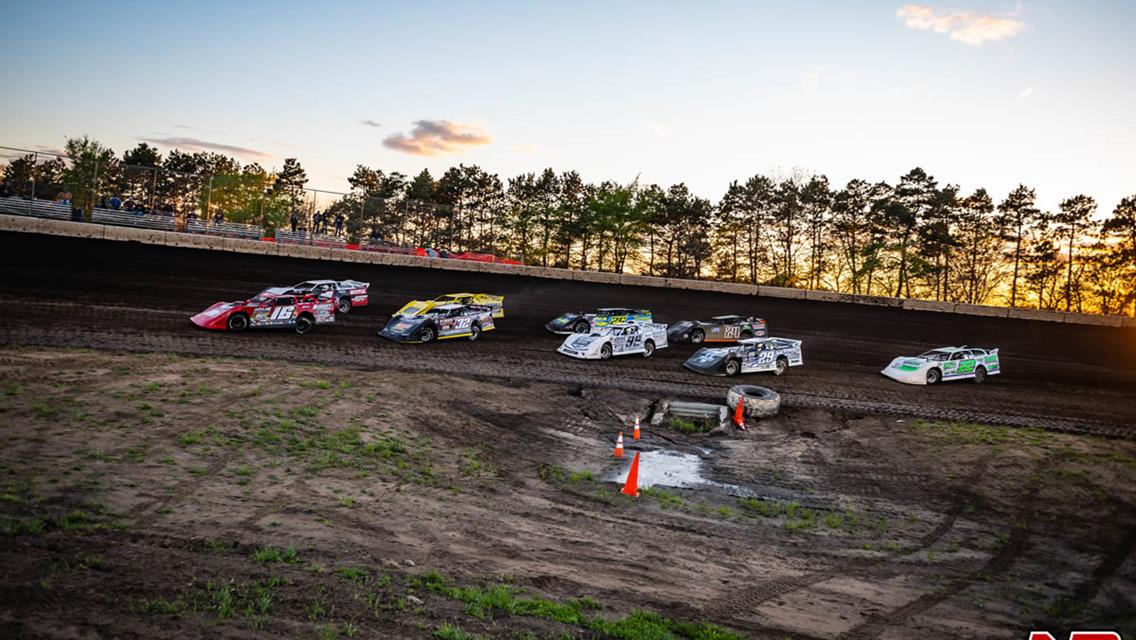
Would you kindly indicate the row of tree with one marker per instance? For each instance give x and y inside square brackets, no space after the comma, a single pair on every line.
[914,238]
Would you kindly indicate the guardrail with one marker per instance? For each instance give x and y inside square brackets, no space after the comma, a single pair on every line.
[311,239]
[225,229]
[384,256]
[138,220]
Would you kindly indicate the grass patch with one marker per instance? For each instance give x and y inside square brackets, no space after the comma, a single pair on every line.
[666,499]
[690,426]
[266,555]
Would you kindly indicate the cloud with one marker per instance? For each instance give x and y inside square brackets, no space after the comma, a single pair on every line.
[966,27]
[1025,93]
[184,126]
[367,122]
[196,144]
[657,129]
[437,137]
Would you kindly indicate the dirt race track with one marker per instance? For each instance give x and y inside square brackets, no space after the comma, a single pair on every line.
[159,481]
[72,292]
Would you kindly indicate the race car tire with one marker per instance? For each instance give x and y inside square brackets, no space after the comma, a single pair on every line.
[733,368]
[474,332]
[581,327]
[980,375]
[427,334]
[782,366]
[934,376]
[757,402]
[697,336]
[648,348]
[238,322]
[605,351]
[344,305]
[304,324]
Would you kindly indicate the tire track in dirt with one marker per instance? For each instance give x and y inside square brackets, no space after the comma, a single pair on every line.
[998,564]
[180,491]
[748,600]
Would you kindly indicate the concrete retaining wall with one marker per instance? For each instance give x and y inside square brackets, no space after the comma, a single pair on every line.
[24,224]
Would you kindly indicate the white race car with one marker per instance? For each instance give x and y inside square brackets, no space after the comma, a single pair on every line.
[616,340]
[945,363]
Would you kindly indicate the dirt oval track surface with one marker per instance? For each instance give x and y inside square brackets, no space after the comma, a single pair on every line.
[136,297]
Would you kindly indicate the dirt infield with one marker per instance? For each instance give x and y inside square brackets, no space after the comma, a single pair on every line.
[154,495]
[88,293]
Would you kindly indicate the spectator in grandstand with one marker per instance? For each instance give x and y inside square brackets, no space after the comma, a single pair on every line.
[115,203]
[294,220]
[338,224]
[317,220]
[65,196]
[218,217]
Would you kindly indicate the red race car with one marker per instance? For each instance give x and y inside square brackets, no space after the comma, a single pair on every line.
[268,311]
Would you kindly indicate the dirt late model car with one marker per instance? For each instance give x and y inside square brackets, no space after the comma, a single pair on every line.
[347,294]
[616,340]
[581,322]
[440,323]
[749,356]
[268,311]
[717,329]
[495,303]
[945,363]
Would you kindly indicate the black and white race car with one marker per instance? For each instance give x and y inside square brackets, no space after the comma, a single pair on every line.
[752,355]
[440,323]
[717,329]
[347,294]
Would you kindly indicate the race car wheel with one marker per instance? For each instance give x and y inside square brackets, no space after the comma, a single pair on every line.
[980,375]
[782,366]
[581,327]
[934,376]
[344,305]
[304,324]
[757,402]
[697,336]
[648,349]
[605,352]
[733,367]
[238,322]
[427,334]
[474,333]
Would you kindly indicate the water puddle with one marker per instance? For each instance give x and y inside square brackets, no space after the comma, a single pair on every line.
[667,469]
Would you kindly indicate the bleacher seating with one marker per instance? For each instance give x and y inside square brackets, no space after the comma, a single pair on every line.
[37,208]
[316,239]
[132,219]
[226,229]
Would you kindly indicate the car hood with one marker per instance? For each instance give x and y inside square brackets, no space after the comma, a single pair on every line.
[705,355]
[909,362]
[583,340]
[218,308]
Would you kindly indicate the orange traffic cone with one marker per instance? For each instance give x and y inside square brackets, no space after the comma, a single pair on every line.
[619,446]
[739,415]
[635,433]
[631,487]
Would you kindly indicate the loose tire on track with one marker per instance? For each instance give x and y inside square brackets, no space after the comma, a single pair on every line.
[759,402]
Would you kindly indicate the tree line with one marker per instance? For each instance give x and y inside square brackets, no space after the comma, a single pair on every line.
[915,238]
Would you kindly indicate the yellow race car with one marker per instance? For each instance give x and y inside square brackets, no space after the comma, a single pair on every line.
[418,307]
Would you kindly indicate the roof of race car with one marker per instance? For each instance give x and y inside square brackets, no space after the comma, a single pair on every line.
[753,340]
[622,309]
[318,282]
[729,317]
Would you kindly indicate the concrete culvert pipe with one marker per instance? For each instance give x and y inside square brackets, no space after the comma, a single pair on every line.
[759,402]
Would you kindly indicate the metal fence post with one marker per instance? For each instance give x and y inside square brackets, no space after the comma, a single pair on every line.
[153,189]
[35,167]
[94,190]
[208,198]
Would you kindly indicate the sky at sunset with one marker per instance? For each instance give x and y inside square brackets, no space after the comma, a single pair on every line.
[977,93]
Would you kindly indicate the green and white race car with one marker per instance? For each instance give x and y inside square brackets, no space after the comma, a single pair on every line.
[945,363]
